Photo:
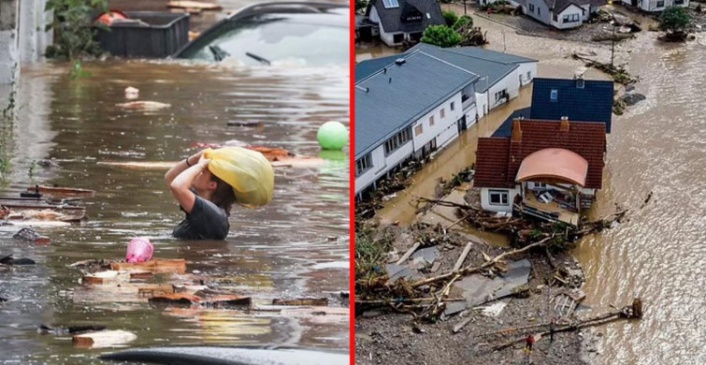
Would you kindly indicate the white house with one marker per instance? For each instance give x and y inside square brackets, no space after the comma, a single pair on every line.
[409,105]
[560,14]
[403,20]
[656,5]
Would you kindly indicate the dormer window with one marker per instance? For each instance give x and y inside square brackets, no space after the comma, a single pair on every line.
[554,95]
[580,83]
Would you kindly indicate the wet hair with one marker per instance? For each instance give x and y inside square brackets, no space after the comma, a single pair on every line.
[223,196]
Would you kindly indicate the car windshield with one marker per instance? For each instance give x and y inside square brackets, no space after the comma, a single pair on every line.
[270,38]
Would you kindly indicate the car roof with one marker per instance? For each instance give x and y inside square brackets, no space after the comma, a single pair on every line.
[319,13]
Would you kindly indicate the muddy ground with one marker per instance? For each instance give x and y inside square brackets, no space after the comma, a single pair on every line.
[385,336]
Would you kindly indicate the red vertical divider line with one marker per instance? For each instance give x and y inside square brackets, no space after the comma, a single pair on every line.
[351,170]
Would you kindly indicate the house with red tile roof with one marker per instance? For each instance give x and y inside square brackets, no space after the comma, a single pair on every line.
[547,169]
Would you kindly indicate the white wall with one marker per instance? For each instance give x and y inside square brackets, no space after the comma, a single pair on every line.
[511,82]
[485,199]
[33,37]
[471,115]
[9,41]
[382,164]
[523,68]
[440,129]
[482,104]
[571,10]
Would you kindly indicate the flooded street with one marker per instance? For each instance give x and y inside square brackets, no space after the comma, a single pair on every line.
[298,246]
[656,146]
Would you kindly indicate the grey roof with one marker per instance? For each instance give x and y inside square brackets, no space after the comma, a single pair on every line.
[368,67]
[391,99]
[391,18]
[483,67]
[557,6]
[489,55]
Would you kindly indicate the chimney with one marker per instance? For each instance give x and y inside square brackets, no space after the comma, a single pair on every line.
[564,124]
[516,131]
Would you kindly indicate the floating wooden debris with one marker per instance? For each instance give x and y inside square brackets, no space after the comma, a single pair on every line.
[102,277]
[193,5]
[321,302]
[213,301]
[61,191]
[103,339]
[177,266]
[32,208]
[120,292]
[143,105]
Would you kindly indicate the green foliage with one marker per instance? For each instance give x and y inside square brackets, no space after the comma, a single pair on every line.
[441,35]
[675,19]
[361,5]
[73,34]
[463,21]
[370,254]
[450,17]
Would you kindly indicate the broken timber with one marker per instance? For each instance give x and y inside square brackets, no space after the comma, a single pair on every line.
[177,266]
[633,311]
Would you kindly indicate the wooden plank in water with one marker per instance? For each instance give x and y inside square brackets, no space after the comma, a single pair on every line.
[177,266]
[319,302]
[103,339]
[61,191]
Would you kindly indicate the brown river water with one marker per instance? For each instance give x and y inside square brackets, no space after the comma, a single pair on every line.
[656,146]
[298,246]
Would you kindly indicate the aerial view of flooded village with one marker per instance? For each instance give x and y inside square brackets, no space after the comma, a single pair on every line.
[174,182]
[529,182]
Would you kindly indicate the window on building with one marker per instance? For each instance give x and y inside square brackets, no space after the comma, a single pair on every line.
[571,18]
[555,17]
[554,95]
[539,11]
[529,75]
[660,4]
[363,165]
[398,38]
[418,130]
[452,106]
[431,121]
[678,2]
[531,7]
[397,141]
[442,113]
[498,197]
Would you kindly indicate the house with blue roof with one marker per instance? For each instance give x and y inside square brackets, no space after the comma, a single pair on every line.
[574,99]
[411,104]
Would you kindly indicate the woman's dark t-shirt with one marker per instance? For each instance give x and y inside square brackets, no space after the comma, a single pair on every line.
[206,222]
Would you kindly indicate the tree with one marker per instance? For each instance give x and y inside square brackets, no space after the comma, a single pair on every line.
[361,5]
[450,17]
[441,35]
[463,21]
[675,19]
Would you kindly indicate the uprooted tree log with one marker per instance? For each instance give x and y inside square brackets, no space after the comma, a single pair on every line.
[619,74]
[632,311]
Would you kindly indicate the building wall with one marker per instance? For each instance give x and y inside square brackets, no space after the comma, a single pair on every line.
[511,83]
[652,5]
[523,69]
[581,13]
[383,164]
[485,199]
[540,11]
[440,130]
[23,38]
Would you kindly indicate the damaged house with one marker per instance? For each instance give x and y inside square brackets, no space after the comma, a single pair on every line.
[546,169]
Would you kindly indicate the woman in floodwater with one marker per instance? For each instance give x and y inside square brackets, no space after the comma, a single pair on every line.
[207,183]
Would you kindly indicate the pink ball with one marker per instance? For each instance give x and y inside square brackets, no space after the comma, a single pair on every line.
[139,250]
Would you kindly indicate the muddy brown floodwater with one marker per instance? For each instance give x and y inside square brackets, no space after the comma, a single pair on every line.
[657,146]
[298,246]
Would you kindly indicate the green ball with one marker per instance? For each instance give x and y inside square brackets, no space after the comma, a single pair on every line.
[332,136]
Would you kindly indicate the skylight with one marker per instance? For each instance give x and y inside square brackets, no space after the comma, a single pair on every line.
[390,4]
[554,96]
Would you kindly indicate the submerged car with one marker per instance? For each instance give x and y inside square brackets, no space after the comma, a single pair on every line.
[309,33]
